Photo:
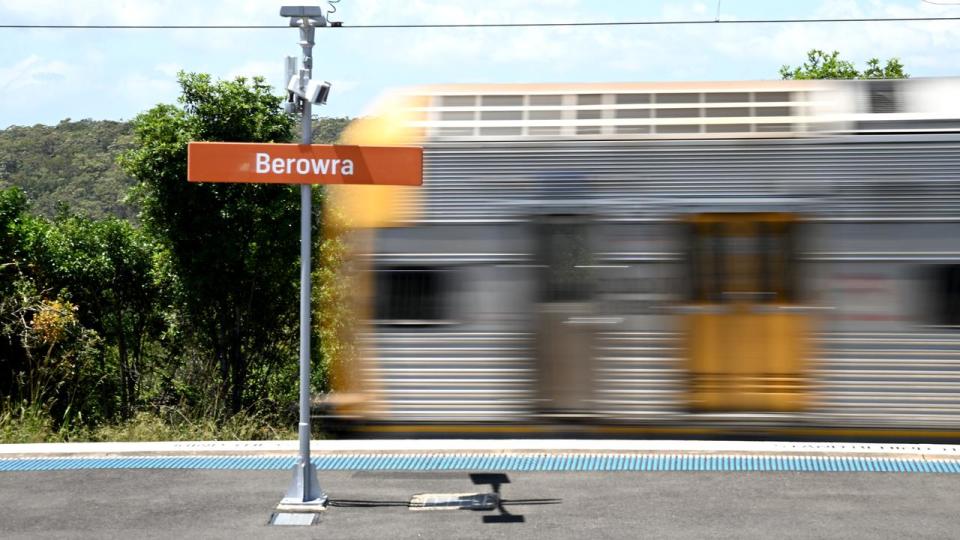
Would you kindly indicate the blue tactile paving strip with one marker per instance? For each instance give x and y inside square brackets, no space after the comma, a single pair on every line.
[504,462]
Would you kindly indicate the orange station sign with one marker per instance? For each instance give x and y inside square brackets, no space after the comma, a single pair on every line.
[304,164]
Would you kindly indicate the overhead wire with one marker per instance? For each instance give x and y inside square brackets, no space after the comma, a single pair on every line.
[479,25]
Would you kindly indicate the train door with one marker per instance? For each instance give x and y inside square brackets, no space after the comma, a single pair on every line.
[564,314]
[746,336]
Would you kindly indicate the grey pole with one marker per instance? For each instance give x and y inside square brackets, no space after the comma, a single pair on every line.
[305,489]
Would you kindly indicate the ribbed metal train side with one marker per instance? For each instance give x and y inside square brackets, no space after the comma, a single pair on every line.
[877,210]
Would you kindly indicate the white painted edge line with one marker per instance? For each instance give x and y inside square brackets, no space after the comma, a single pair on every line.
[469,445]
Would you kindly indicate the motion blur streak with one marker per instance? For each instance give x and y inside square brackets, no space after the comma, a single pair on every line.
[737,257]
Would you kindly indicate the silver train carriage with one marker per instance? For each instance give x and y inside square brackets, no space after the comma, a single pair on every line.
[774,258]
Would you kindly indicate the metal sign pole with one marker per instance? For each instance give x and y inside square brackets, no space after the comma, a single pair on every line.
[305,489]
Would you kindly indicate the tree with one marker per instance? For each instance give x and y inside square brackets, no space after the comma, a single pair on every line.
[820,65]
[233,247]
[105,267]
[47,355]
[13,209]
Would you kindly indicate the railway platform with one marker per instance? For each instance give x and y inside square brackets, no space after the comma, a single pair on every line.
[544,489]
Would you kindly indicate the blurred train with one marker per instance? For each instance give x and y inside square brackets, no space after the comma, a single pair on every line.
[772,259]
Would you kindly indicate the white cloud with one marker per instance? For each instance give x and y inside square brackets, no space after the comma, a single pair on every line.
[33,74]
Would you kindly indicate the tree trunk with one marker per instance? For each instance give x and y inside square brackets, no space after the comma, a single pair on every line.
[124,371]
[236,365]
[224,361]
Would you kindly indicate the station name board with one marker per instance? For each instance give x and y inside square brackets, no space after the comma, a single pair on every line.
[304,164]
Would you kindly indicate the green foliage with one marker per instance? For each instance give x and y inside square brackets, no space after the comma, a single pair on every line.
[79,289]
[107,268]
[184,328]
[893,69]
[233,247]
[13,209]
[821,65]
[53,355]
[72,163]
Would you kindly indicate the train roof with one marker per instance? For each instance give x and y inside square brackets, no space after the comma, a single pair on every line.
[668,110]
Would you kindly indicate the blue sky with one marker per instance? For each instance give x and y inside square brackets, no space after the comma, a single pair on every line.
[49,75]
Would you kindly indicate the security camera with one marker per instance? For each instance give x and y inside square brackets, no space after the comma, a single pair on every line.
[317,92]
[293,87]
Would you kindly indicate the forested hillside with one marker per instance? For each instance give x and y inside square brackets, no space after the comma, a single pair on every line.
[75,164]
[72,163]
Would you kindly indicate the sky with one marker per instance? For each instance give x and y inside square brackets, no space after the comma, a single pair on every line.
[50,75]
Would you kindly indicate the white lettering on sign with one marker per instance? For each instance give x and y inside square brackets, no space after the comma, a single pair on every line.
[304,166]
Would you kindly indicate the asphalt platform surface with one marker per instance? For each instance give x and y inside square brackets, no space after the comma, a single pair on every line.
[551,505]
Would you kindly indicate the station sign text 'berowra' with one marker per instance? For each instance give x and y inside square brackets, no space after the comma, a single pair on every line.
[304,164]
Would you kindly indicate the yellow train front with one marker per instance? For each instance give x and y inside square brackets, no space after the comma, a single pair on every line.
[772,258]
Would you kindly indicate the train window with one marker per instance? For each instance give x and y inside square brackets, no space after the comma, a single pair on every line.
[772,97]
[409,295]
[727,111]
[544,130]
[884,97]
[501,131]
[632,99]
[774,128]
[727,97]
[565,259]
[728,128]
[633,113]
[454,116]
[454,132]
[545,115]
[943,294]
[676,113]
[772,111]
[458,101]
[589,99]
[731,261]
[678,98]
[502,101]
[501,115]
[546,101]
[698,263]
[669,129]
[632,130]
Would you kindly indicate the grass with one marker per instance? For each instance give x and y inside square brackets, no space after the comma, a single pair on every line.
[34,425]
[25,425]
